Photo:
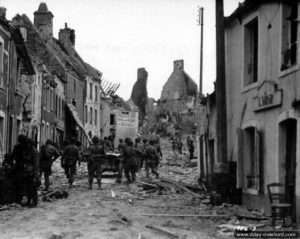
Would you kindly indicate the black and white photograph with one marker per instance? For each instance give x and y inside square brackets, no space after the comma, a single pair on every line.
[141,119]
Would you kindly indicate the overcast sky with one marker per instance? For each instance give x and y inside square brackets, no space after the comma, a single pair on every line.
[119,36]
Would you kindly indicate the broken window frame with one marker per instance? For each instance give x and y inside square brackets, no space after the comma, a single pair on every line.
[289,35]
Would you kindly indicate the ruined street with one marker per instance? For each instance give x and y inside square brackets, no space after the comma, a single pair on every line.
[126,211]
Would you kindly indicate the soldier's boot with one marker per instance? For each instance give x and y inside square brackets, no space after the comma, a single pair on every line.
[46,188]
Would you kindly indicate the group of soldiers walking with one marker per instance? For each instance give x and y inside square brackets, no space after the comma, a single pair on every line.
[177,146]
[29,165]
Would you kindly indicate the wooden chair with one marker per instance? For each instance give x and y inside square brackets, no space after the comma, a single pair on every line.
[279,208]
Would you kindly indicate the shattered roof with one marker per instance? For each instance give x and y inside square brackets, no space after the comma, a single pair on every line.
[54,55]
[20,45]
[38,48]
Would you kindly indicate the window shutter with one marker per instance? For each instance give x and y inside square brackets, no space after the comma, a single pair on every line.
[240,160]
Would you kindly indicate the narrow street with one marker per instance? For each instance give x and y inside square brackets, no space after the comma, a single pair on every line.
[100,214]
[121,211]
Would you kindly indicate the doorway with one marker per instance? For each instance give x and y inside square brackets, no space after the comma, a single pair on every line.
[288,158]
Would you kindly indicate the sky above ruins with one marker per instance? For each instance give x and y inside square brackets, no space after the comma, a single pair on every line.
[119,36]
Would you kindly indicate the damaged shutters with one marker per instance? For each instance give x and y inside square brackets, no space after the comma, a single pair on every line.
[249,174]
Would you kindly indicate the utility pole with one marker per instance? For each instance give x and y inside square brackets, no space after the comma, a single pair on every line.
[221,86]
[198,136]
[200,23]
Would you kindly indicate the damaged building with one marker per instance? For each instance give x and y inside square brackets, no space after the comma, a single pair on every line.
[176,107]
[17,68]
[69,85]
[262,96]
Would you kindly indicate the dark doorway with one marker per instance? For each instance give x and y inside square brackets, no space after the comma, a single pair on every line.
[211,150]
[290,127]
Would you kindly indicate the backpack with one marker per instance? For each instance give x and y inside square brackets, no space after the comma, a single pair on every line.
[46,153]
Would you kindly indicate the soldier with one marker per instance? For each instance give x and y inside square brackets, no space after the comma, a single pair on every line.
[107,144]
[121,145]
[26,158]
[152,159]
[70,158]
[145,141]
[121,148]
[180,145]
[174,145]
[96,156]
[63,161]
[48,155]
[139,151]
[130,165]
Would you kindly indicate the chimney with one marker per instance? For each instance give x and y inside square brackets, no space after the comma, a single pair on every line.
[66,37]
[3,12]
[178,65]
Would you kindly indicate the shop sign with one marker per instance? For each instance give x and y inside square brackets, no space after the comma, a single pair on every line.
[267,97]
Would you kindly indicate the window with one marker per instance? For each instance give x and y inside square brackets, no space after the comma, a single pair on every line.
[91,91]
[51,99]
[48,97]
[1,134]
[59,108]
[96,93]
[74,85]
[112,119]
[91,115]
[56,106]
[289,34]
[86,114]
[96,118]
[251,159]
[251,52]
[1,65]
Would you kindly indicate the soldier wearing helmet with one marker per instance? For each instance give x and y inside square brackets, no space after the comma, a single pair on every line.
[96,155]
[152,158]
[71,157]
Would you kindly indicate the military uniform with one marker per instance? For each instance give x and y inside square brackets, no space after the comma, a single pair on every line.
[139,155]
[26,158]
[70,157]
[48,155]
[152,160]
[96,156]
[130,165]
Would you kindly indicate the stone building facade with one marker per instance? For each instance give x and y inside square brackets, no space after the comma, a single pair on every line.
[263,95]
